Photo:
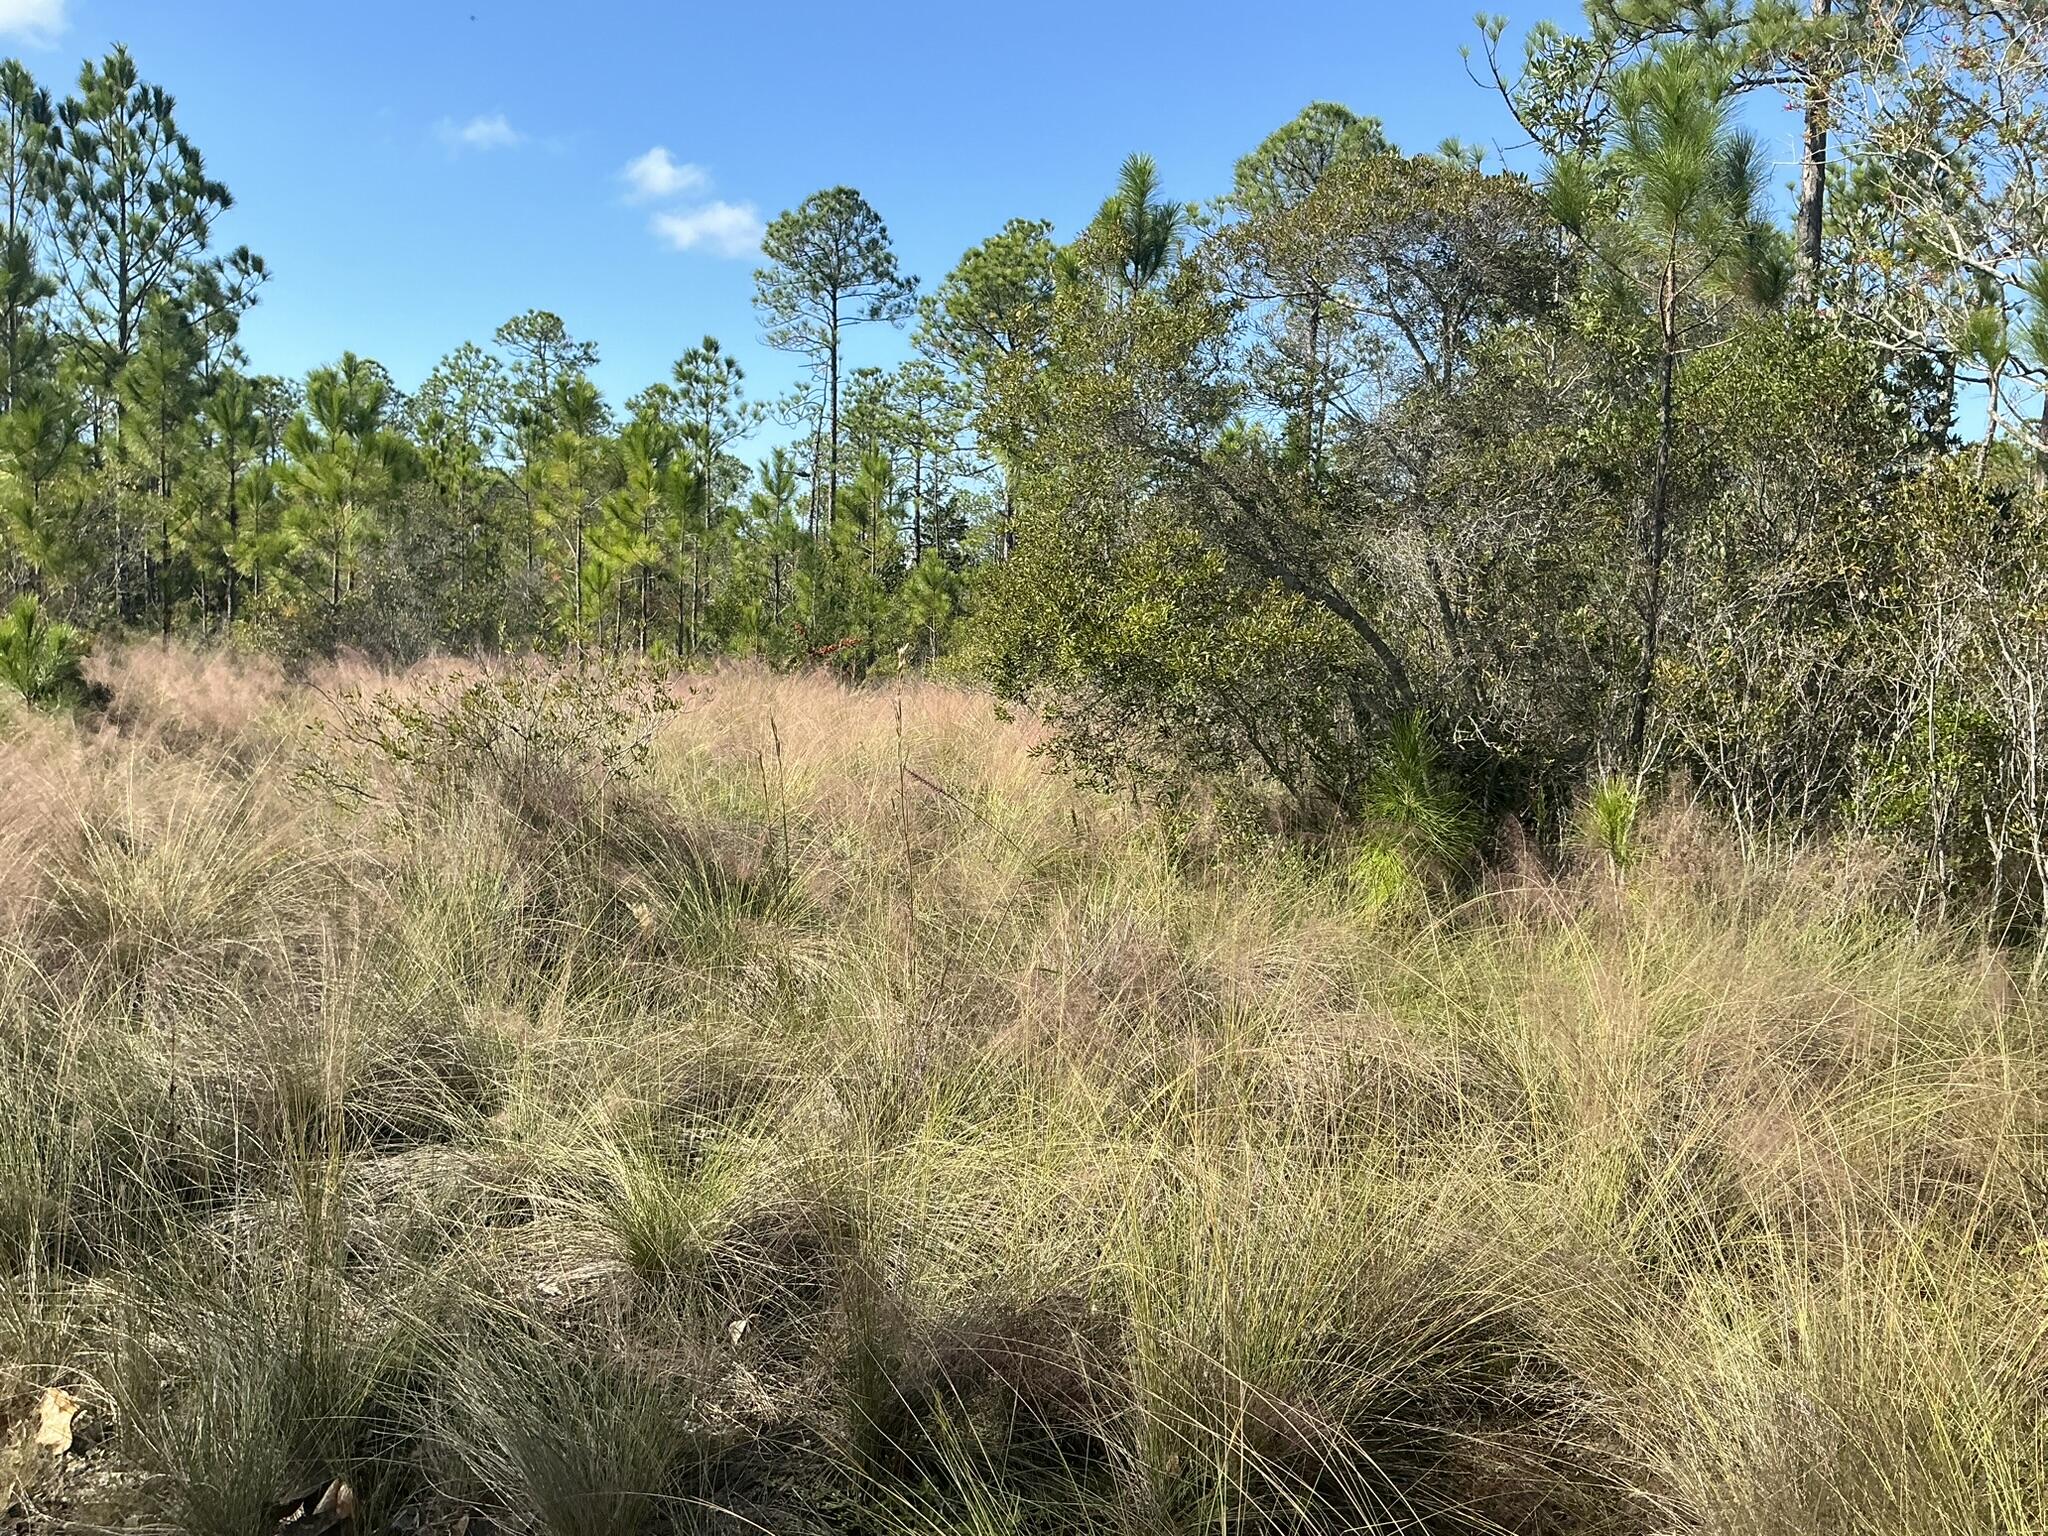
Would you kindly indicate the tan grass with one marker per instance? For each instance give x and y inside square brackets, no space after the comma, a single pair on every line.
[845,1124]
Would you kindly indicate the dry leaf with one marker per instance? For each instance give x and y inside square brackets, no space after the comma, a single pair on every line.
[339,1501]
[292,1508]
[336,1506]
[53,1421]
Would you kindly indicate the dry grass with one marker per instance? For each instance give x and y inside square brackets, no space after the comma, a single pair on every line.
[823,1119]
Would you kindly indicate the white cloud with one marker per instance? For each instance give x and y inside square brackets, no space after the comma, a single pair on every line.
[34,21]
[729,229]
[722,228]
[490,131]
[657,174]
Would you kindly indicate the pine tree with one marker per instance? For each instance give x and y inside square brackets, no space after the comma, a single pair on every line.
[159,393]
[344,464]
[830,266]
[1672,210]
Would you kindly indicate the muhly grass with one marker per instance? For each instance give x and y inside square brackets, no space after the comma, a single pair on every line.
[815,1116]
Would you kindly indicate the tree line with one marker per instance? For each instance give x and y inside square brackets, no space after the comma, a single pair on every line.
[1384,488]
[150,480]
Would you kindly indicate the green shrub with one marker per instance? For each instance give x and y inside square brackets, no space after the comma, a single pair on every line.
[1418,803]
[1607,822]
[42,659]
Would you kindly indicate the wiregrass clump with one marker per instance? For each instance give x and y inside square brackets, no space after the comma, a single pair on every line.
[805,1114]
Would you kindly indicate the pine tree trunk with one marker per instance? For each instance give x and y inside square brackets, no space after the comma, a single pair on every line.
[1314,433]
[917,504]
[163,569]
[1813,174]
[234,542]
[1660,522]
[832,449]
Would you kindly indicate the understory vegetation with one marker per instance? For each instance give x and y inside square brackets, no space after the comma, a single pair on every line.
[1380,474]
[586,1103]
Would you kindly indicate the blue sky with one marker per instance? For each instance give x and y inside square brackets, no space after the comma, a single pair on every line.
[416,171]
